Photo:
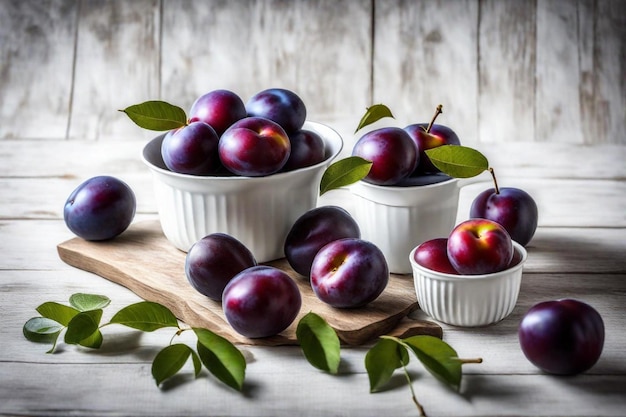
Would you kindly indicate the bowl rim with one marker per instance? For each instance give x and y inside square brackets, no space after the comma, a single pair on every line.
[454,277]
[407,188]
[277,175]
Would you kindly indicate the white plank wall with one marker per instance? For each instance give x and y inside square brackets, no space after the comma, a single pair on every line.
[506,71]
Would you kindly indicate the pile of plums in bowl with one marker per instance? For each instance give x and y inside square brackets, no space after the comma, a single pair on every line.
[247,170]
[470,278]
[404,199]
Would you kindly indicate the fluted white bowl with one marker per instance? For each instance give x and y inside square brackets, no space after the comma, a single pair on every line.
[258,211]
[468,300]
[396,219]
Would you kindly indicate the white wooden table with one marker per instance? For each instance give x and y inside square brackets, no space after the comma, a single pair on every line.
[578,251]
[537,86]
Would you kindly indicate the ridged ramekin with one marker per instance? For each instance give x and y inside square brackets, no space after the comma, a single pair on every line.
[396,219]
[468,300]
[258,211]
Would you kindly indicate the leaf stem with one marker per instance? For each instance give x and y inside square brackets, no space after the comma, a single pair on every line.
[438,111]
[495,182]
[417,403]
[475,360]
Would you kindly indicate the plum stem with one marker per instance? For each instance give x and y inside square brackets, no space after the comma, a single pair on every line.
[417,403]
[495,182]
[438,111]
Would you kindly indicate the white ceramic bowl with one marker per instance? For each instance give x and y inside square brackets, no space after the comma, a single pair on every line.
[468,300]
[396,219]
[259,211]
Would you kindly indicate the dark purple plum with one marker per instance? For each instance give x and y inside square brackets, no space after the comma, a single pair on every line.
[100,208]
[512,207]
[392,153]
[191,149]
[280,105]
[254,147]
[218,108]
[562,337]
[433,254]
[261,301]
[349,273]
[313,230]
[439,135]
[213,261]
[307,148]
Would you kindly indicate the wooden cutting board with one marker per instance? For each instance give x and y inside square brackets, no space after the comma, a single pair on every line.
[144,261]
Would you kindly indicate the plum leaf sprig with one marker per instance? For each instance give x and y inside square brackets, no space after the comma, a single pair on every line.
[321,347]
[81,321]
[374,114]
[156,115]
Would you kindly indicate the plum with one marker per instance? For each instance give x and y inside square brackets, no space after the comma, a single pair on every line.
[349,273]
[307,148]
[218,108]
[191,149]
[314,229]
[393,155]
[279,105]
[562,337]
[437,136]
[433,254]
[261,301]
[213,261]
[254,147]
[479,246]
[100,208]
[512,207]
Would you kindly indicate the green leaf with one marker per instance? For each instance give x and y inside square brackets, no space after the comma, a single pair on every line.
[171,359]
[146,316]
[344,172]
[382,360]
[156,115]
[42,330]
[58,312]
[458,161]
[86,302]
[94,341]
[374,114]
[319,342]
[221,358]
[83,326]
[439,358]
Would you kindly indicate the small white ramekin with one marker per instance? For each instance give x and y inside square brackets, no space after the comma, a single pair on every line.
[396,219]
[258,211]
[468,300]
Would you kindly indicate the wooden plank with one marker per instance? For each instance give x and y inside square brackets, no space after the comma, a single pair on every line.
[609,67]
[557,104]
[506,67]
[44,198]
[309,47]
[605,292]
[496,344]
[36,65]
[117,65]
[128,389]
[425,54]
[561,203]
